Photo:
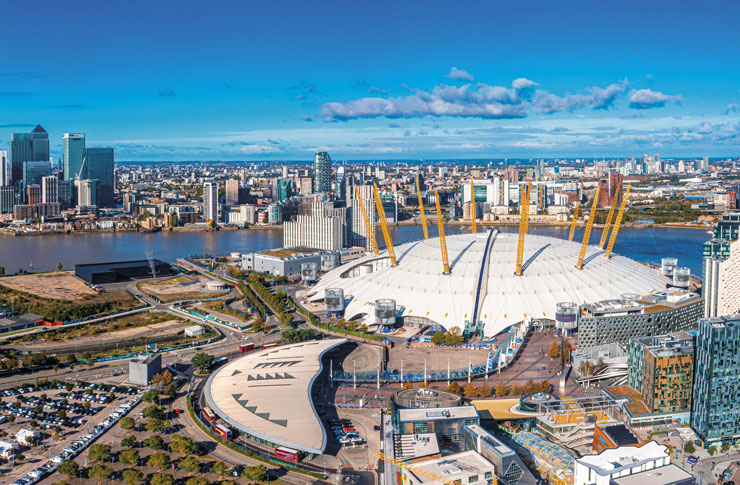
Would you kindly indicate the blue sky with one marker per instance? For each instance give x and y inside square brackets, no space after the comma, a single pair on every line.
[225,80]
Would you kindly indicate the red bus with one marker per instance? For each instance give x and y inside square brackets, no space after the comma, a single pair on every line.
[208,415]
[267,346]
[243,348]
[287,454]
[222,431]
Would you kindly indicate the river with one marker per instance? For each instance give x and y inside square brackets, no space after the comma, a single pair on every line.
[44,252]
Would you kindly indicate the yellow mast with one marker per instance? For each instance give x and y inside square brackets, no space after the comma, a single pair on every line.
[589,226]
[609,218]
[421,209]
[368,226]
[617,223]
[384,226]
[442,241]
[575,215]
[523,226]
[472,204]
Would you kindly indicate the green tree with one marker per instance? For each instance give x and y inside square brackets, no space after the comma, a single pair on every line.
[725,447]
[196,481]
[87,405]
[257,473]
[454,388]
[153,412]
[219,468]
[150,396]
[183,445]
[100,472]
[202,361]
[69,468]
[438,338]
[159,460]
[689,447]
[59,266]
[62,414]
[155,425]
[132,476]
[227,482]
[161,479]
[189,464]
[454,336]
[129,441]
[154,442]
[99,452]
[127,423]
[712,450]
[129,456]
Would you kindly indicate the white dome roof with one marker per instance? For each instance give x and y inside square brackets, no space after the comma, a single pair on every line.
[549,277]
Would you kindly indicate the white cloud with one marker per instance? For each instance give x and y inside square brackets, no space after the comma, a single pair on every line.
[647,99]
[731,108]
[459,75]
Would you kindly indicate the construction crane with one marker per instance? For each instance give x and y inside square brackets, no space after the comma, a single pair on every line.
[523,226]
[420,471]
[368,225]
[384,226]
[589,226]
[421,209]
[442,241]
[617,223]
[609,218]
[472,205]
[575,214]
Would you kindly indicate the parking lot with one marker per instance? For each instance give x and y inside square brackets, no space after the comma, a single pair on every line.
[345,433]
[61,418]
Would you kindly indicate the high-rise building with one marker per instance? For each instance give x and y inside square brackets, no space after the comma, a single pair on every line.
[306,186]
[88,193]
[27,147]
[715,410]
[232,192]
[73,150]
[4,168]
[99,166]
[283,189]
[7,199]
[314,232]
[129,202]
[721,268]
[322,172]
[33,194]
[358,232]
[66,193]
[661,369]
[49,189]
[340,187]
[33,172]
[609,190]
[210,201]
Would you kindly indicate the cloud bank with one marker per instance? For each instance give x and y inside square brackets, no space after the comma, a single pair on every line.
[648,99]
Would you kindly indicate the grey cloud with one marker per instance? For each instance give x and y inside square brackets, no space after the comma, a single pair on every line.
[647,99]
[596,98]
[459,75]
[306,118]
[167,93]
[731,108]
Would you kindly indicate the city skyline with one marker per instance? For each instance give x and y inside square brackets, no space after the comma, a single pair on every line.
[409,81]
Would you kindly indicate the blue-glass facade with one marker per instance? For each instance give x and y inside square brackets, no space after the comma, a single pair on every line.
[715,411]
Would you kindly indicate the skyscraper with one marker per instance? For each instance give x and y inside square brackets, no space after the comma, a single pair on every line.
[358,232]
[33,194]
[88,193]
[7,199]
[210,201]
[322,172]
[49,189]
[99,166]
[721,268]
[340,188]
[4,168]
[73,148]
[33,172]
[27,147]
[715,410]
[232,192]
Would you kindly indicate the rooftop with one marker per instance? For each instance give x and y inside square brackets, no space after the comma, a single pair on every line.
[413,446]
[453,467]
[437,414]
[620,434]
[615,459]
[664,475]
[267,394]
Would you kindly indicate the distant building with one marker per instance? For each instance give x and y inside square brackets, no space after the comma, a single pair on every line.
[609,190]
[26,147]
[235,193]
[7,199]
[33,194]
[99,165]
[143,367]
[358,234]
[23,212]
[715,410]
[721,268]
[315,232]
[49,189]
[4,169]
[306,186]
[88,193]
[210,201]
[33,172]
[661,368]
[340,186]
[322,172]
[73,148]
[65,191]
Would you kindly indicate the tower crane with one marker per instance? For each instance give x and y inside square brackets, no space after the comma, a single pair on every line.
[523,227]
[609,218]
[384,226]
[442,241]
[421,209]
[589,226]
[617,223]
[368,225]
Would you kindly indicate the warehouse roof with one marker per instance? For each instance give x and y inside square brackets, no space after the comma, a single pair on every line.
[550,276]
[268,394]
